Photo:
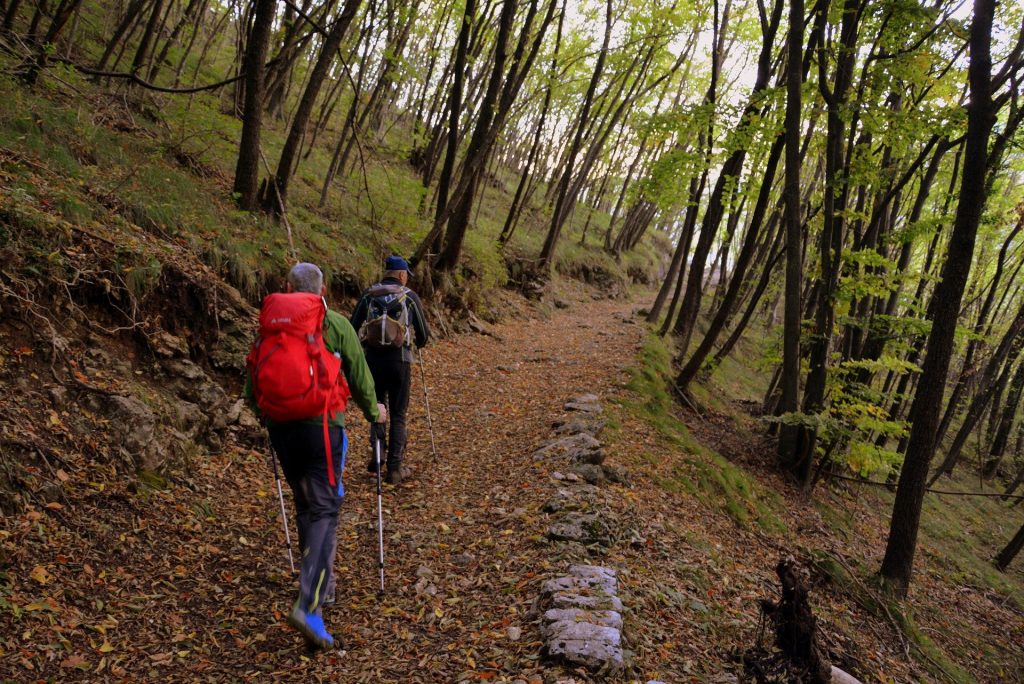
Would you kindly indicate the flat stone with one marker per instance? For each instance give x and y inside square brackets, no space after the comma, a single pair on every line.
[514,633]
[571,446]
[568,599]
[582,643]
[583,407]
[585,528]
[590,473]
[597,573]
[589,425]
[590,579]
[615,474]
[587,399]
[604,618]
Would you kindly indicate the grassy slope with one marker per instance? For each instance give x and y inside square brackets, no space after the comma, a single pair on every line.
[964,619]
[168,161]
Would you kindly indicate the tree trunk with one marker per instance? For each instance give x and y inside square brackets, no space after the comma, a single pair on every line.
[897,566]
[275,199]
[247,166]
[547,252]
[60,18]
[790,399]
[148,36]
[996,373]
[1007,555]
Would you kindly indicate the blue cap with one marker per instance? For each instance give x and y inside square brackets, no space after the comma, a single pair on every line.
[396,263]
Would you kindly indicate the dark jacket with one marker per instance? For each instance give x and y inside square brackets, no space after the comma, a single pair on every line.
[417,321]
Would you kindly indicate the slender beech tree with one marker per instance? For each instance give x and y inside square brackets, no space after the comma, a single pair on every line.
[247,166]
[275,194]
[789,402]
[897,566]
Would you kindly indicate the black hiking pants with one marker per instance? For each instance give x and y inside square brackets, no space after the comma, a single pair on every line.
[392,378]
[300,450]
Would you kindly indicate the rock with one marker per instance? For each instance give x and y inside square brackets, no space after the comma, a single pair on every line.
[585,528]
[184,369]
[581,643]
[573,447]
[233,414]
[188,418]
[606,578]
[604,618]
[248,419]
[168,346]
[568,599]
[514,633]
[557,476]
[192,383]
[590,473]
[589,425]
[58,396]
[478,326]
[572,477]
[423,570]
[841,677]
[464,559]
[615,474]
[133,427]
[586,403]
[592,579]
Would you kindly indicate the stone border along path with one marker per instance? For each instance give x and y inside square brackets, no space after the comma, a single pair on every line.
[581,624]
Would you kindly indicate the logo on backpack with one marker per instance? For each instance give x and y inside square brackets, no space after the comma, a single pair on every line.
[387,317]
[294,376]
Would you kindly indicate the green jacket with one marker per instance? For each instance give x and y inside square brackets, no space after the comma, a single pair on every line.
[340,338]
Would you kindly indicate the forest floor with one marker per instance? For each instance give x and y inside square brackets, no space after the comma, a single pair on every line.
[189,581]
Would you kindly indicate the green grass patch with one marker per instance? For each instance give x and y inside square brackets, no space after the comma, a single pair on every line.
[698,471]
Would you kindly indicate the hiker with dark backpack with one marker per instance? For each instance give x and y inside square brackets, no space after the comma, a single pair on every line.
[390,320]
[304,363]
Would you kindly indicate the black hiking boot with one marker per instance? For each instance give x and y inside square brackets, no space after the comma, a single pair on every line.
[397,474]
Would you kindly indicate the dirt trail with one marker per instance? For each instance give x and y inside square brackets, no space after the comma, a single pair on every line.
[190,582]
[469,523]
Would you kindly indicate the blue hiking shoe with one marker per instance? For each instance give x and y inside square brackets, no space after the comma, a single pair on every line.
[312,627]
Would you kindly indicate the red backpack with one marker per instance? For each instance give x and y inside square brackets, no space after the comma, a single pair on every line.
[294,376]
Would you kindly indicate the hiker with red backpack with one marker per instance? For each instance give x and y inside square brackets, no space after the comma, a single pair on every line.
[305,364]
[390,320]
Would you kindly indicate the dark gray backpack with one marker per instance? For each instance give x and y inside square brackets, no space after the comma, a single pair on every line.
[387,317]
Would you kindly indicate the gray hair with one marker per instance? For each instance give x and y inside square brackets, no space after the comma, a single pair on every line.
[306,277]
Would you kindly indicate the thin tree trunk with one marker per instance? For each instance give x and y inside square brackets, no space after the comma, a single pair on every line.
[897,566]
[275,199]
[247,166]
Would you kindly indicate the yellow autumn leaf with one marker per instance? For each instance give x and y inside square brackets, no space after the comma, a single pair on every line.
[39,574]
[106,647]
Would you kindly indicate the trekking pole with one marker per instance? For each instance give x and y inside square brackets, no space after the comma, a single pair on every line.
[377,437]
[284,515]
[426,401]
